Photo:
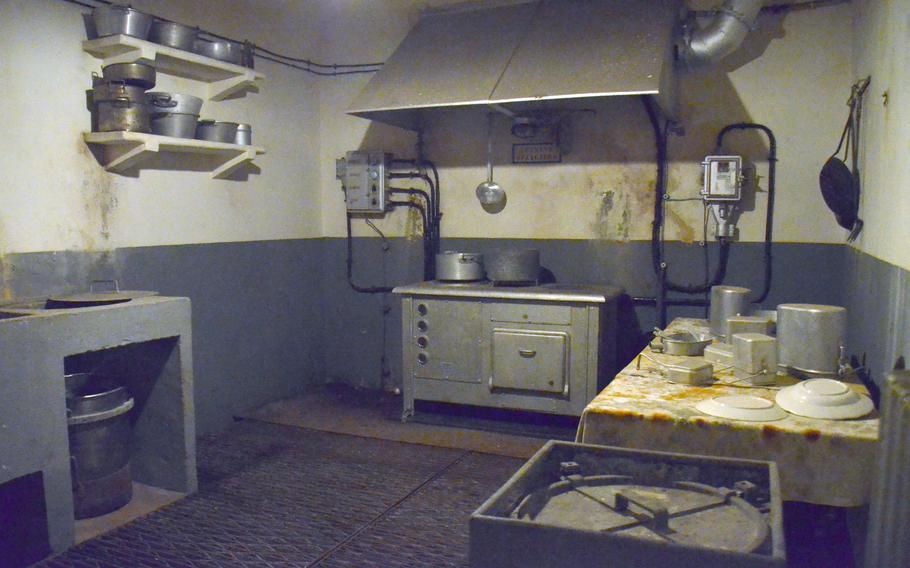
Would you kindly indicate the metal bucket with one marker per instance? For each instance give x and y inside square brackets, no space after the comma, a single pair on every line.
[100,437]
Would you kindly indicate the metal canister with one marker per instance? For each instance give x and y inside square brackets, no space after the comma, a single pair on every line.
[244,135]
[727,301]
[99,435]
[810,337]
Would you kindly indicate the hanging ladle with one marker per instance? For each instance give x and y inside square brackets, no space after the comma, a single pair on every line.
[489,193]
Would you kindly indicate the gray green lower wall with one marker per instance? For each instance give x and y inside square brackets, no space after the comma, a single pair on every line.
[256,310]
[878,299]
[271,317]
[363,344]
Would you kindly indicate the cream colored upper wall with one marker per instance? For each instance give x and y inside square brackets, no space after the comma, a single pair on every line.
[792,75]
[55,196]
[882,51]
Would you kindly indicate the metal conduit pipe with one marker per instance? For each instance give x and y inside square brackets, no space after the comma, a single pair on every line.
[723,35]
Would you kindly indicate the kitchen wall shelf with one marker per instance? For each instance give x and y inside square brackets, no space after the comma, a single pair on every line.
[124,150]
[224,79]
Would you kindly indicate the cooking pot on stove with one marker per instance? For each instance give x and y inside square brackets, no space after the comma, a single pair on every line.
[459,266]
[514,266]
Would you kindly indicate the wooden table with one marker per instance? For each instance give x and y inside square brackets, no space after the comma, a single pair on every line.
[825,462]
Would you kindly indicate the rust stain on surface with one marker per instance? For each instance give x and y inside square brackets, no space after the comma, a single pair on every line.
[770,432]
[812,435]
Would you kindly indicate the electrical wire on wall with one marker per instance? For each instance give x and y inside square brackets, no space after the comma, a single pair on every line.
[301,64]
[660,266]
[425,202]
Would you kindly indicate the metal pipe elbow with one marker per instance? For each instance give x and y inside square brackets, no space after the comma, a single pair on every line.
[723,35]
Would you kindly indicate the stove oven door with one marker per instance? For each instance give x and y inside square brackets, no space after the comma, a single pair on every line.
[530,360]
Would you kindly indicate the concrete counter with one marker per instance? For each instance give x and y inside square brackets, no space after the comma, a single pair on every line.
[153,337]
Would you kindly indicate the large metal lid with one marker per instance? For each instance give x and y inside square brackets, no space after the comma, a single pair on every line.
[97,298]
[684,513]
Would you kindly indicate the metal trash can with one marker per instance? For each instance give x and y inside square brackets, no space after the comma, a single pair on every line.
[100,435]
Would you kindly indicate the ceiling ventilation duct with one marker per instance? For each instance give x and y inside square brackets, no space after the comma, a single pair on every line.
[510,56]
[723,35]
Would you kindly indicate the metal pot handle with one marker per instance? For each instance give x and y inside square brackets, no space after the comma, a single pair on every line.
[123,102]
[163,101]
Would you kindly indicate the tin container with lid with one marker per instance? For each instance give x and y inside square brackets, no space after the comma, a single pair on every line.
[810,338]
[727,301]
[244,135]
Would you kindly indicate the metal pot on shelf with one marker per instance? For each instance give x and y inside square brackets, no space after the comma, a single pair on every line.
[459,266]
[222,50]
[217,131]
[161,102]
[120,107]
[173,34]
[114,20]
[244,135]
[133,74]
[174,114]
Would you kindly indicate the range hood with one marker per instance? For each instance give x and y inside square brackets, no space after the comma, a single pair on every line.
[548,50]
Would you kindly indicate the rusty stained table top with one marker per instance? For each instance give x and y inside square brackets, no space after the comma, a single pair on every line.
[820,461]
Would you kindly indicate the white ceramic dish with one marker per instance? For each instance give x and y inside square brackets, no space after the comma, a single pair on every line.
[824,398]
[742,407]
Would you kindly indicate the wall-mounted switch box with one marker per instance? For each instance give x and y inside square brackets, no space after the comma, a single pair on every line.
[364,179]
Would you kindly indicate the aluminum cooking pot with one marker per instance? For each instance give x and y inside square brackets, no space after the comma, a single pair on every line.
[173,34]
[134,74]
[459,266]
[120,107]
[810,338]
[217,131]
[514,266]
[174,124]
[161,102]
[113,20]
[228,51]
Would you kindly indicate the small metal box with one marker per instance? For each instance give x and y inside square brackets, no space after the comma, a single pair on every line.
[719,354]
[747,324]
[625,511]
[723,178]
[364,178]
[755,354]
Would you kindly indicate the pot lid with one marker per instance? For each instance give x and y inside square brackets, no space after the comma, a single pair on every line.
[685,513]
[97,298]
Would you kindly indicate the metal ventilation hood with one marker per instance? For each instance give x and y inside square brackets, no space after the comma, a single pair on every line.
[548,50]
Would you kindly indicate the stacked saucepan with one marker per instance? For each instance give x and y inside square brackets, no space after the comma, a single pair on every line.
[118,99]
[174,114]
[115,20]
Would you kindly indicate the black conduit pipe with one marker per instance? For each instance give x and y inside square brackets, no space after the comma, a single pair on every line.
[660,137]
[769,214]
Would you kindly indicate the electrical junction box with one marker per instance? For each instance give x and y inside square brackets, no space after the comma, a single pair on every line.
[723,178]
[365,181]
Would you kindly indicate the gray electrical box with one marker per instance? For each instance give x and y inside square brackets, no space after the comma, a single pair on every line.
[364,179]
